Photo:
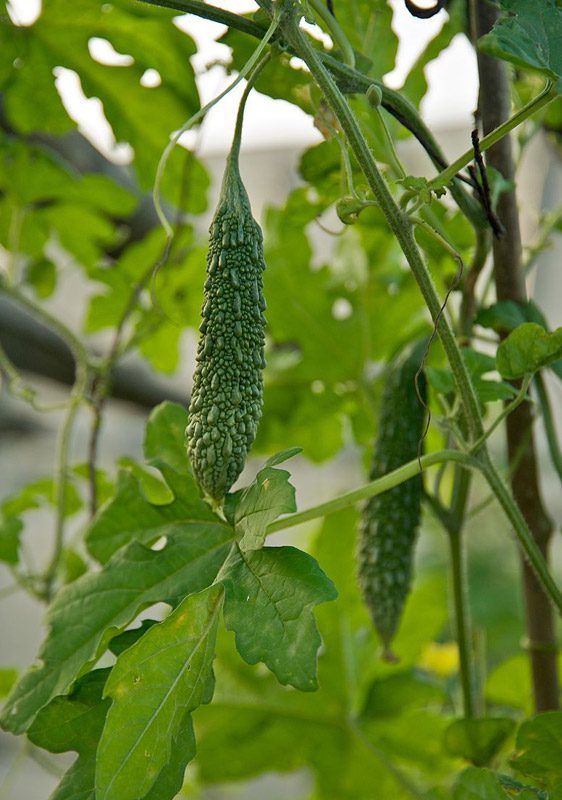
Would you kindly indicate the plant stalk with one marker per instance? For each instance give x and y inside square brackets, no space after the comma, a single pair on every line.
[494,107]
[548,423]
[545,97]
[371,489]
[462,620]
[402,229]
[63,453]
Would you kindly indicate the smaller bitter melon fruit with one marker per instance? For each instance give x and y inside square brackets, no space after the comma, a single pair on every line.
[389,522]
[226,400]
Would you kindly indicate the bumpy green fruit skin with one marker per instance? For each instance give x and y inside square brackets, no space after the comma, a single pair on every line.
[226,400]
[390,521]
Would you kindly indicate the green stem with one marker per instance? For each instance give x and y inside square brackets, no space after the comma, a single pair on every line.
[213,13]
[14,236]
[234,153]
[336,32]
[549,426]
[22,390]
[462,620]
[468,301]
[506,411]
[371,489]
[395,163]
[528,544]
[440,239]
[549,224]
[457,516]
[547,95]
[402,229]
[63,453]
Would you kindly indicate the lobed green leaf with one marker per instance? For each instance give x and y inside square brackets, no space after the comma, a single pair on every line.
[528,34]
[88,612]
[154,687]
[269,596]
[528,348]
[267,497]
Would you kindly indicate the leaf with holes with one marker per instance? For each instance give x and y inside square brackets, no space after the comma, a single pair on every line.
[130,515]
[154,686]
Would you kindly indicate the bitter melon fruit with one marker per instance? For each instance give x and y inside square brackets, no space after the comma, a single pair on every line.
[226,400]
[389,522]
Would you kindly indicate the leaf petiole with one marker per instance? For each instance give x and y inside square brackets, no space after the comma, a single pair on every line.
[547,95]
[371,489]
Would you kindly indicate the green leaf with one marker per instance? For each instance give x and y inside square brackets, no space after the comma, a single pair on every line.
[521,790]
[478,740]
[267,497]
[488,391]
[107,309]
[45,201]
[88,612]
[32,102]
[152,486]
[528,348]
[506,315]
[493,391]
[269,596]
[8,676]
[73,565]
[364,22]
[280,78]
[528,34]
[509,684]
[154,687]
[478,784]
[74,722]
[42,492]
[130,515]
[161,314]
[320,322]
[539,748]
[283,456]
[255,725]
[395,693]
[42,276]
[10,536]
[441,380]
